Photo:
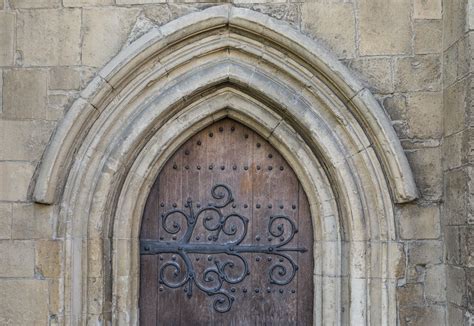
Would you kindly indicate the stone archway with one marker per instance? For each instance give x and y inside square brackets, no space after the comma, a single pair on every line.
[171,83]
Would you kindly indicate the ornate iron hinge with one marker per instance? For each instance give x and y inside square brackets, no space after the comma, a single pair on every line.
[279,273]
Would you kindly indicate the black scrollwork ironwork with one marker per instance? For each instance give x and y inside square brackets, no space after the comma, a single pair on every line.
[218,224]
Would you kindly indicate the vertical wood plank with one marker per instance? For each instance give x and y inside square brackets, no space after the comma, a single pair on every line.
[148,264]
[170,195]
[305,261]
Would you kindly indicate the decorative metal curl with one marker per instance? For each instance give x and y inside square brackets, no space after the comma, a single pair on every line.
[223,302]
[216,276]
[221,196]
[279,274]
[177,270]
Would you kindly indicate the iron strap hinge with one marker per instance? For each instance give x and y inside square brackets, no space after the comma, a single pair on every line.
[176,274]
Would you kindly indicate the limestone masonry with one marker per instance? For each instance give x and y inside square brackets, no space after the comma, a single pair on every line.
[368,100]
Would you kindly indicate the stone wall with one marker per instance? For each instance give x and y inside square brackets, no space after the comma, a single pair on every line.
[458,217]
[413,54]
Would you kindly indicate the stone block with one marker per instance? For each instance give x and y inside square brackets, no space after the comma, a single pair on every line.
[163,14]
[15,178]
[7,38]
[470,195]
[54,287]
[24,140]
[454,21]
[455,107]
[1,91]
[384,27]
[64,78]
[420,316]
[334,25]
[464,55]
[105,32]
[467,246]
[59,101]
[426,165]
[425,115]
[470,288]
[375,73]
[470,19]
[244,1]
[24,302]
[24,94]
[87,75]
[456,197]
[33,4]
[96,252]
[48,258]
[123,245]
[32,221]
[86,3]
[58,105]
[18,259]
[435,283]
[454,150]
[453,245]
[401,128]
[396,106]
[95,291]
[427,252]
[410,294]
[428,36]
[427,9]
[5,220]
[50,37]
[416,273]
[289,12]
[455,315]
[456,285]
[419,73]
[450,65]
[397,260]
[420,222]
[134,2]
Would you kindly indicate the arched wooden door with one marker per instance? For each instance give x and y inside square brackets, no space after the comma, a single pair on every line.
[226,236]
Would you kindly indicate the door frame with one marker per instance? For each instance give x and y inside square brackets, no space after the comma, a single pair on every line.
[176,80]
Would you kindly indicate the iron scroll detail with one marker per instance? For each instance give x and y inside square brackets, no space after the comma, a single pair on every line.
[234,227]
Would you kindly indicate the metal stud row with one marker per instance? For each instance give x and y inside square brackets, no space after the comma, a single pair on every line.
[257,206]
[222,167]
[211,135]
[244,290]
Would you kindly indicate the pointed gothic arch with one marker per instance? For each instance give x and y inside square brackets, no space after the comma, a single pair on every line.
[179,78]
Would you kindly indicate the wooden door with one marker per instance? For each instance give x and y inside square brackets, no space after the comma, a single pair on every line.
[226,236]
